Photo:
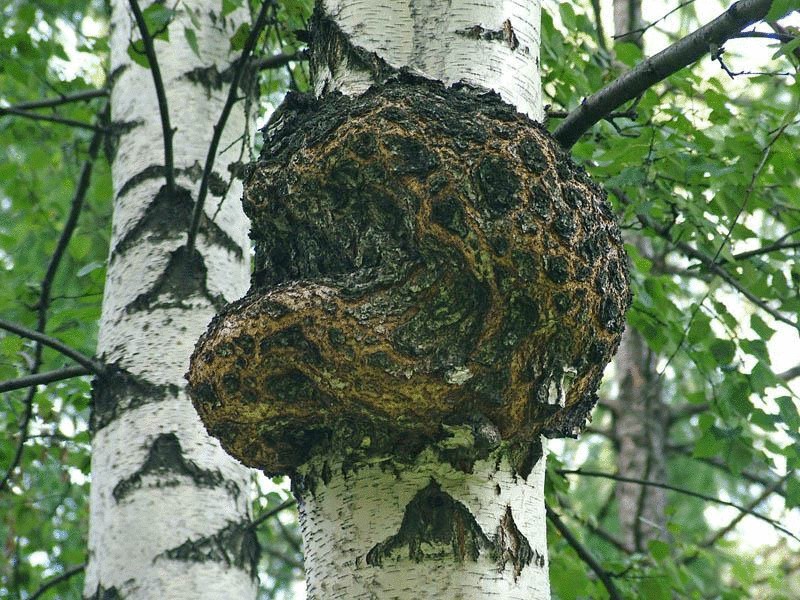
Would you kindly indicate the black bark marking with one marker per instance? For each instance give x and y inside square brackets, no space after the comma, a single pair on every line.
[165,461]
[168,217]
[434,527]
[235,544]
[506,34]
[513,547]
[184,277]
[117,391]
[102,593]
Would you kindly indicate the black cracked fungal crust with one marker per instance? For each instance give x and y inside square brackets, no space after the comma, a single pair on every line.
[424,254]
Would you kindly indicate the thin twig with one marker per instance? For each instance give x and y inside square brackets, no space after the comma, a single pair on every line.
[241,66]
[271,513]
[69,573]
[277,61]
[659,67]
[43,378]
[584,554]
[679,490]
[158,82]
[642,30]
[45,297]
[61,100]
[598,23]
[51,342]
[33,116]
[777,247]
[768,491]
[790,374]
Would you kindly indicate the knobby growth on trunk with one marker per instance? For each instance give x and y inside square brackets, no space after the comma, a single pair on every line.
[436,286]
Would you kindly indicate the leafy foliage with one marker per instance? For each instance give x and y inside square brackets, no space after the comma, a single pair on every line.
[704,179]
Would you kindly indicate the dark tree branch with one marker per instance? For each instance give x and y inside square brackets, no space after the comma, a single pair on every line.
[777,247]
[61,100]
[790,374]
[598,23]
[642,30]
[657,68]
[680,490]
[781,37]
[271,513]
[276,61]
[241,66]
[622,114]
[158,82]
[33,116]
[686,411]
[584,554]
[768,491]
[43,378]
[90,364]
[45,294]
[287,559]
[69,573]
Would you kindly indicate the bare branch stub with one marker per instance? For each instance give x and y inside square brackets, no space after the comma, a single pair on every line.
[425,257]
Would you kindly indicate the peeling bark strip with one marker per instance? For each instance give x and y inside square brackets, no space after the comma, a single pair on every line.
[506,34]
[236,544]
[166,461]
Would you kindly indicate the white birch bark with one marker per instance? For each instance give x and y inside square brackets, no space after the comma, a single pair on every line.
[350,514]
[161,488]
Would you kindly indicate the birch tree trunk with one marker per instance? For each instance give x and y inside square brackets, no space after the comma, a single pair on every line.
[169,509]
[429,530]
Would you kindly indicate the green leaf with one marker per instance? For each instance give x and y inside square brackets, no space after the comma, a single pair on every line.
[780,8]
[240,36]
[191,39]
[137,55]
[157,17]
[792,492]
[658,549]
[788,412]
[228,6]
[723,351]
[758,325]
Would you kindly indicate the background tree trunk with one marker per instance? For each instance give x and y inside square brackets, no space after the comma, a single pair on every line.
[360,527]
[641,416]
[169,509]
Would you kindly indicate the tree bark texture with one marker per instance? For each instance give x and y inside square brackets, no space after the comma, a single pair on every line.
[169,508]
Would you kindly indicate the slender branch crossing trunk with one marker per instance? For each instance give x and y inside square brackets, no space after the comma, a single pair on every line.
[169,508]
[429,529]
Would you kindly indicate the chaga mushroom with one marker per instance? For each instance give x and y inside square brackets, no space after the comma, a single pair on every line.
[425,257]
